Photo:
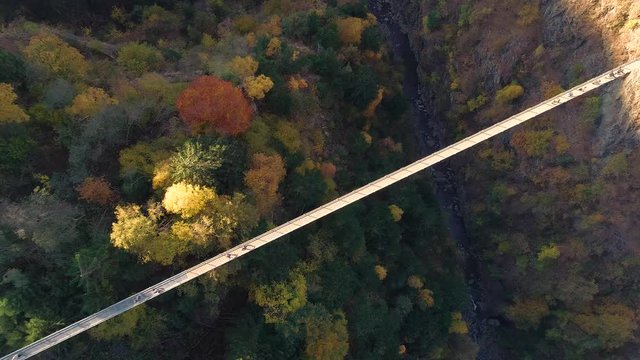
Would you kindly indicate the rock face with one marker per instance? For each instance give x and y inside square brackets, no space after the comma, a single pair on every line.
[552,206]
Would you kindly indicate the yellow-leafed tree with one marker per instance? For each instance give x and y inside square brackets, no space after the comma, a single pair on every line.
[56,57]
[187,200]
[9,111]
[258,86]
[90,102]
[350,30]
[243,67]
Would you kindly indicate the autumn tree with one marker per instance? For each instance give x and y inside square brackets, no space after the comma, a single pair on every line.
[264,177]
[288,135]
[212,104]
[90,102]
[396,212]
[350,30]
[56,57]
[138,233]
[9,111]
[527,313]
[273,47]
[257,86]
[458,325]
[187,200]
[243,67]
[96,191]
[612,324]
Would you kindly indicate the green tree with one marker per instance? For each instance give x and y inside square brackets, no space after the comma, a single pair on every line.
[12,69]
[196,163]
[280,299]
[139,58]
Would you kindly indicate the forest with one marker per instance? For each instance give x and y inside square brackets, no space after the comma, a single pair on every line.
[138,138]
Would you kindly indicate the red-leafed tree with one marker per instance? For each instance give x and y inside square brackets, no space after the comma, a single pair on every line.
[212,104]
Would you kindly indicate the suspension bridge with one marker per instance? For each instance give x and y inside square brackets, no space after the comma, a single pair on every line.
[318,213]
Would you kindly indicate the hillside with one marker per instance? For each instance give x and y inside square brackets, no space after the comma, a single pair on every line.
[552,206]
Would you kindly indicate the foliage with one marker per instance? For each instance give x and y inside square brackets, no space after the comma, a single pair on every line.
[139,58]
[396,212]
[56,57]
[509,93]
[12,68]
[257,87]
[9,111]
[212,104]
[273,47]
[90,102]
[143,157]
[195,163]
[616,165]
[59,94]
[370,111]
[288,135]
[137,233]
[476,103]
[264,177]
[612,324]
[527,313]
[96,191]
[528,14]
[549,252]
[381,272]
[458,325]
[350,30]
[326,335]
[187,200]
[532,143]
[244,67]
[281,299]
[245,24]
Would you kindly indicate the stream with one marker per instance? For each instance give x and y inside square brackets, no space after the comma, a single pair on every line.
[432,137]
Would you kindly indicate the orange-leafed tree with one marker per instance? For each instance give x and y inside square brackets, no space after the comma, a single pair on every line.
[96,190]
[211,104]
[263,179]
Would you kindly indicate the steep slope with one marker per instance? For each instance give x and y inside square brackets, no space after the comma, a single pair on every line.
[551,207]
